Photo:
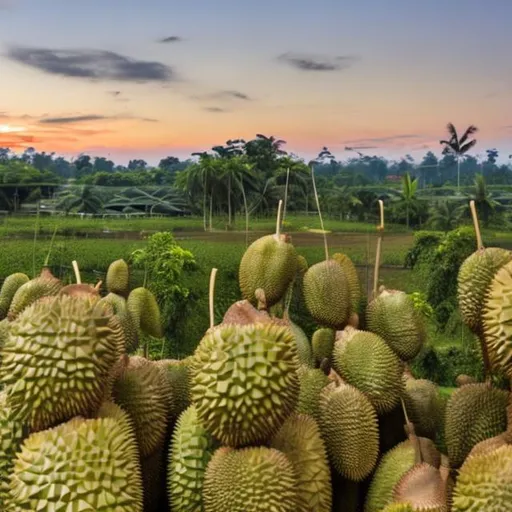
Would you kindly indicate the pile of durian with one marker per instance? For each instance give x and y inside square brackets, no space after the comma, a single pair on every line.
[259,418]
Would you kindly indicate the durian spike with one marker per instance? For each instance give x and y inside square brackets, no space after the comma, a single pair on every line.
[479,243]
[380,228]
[286,192]
[211,297]
[278,222]
[319,214]
[77,272]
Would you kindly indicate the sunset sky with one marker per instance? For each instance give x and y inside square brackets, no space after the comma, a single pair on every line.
[146,79]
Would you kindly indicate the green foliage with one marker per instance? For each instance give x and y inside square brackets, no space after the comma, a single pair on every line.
[421,304]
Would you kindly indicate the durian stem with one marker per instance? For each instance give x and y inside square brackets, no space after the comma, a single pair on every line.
[479,243]
[405,410]
[319,213]
[98,285]
[379,250]
[47,260]
[211,297]
[286,193]
[278,222]
[77,272]
[36,229]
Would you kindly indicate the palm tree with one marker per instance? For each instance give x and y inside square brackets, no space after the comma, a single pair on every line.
[408,194]
[458,147]
[484,200]
[446,215]
[84,199]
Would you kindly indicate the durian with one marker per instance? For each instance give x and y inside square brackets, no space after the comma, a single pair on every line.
[178,375]
[312,381]
[348,423]
[119,307]
[327,295]
[300,440]
[118,278]
[80,465]
[304,351]
[245,381]
[270,264]
[256,479]
[145,312]
[57,360]
[323,344]
[9,288]
[354,285]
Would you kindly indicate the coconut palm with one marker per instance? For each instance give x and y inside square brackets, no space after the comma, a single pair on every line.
[458,146]
[408,195]
[446,215]
[82,199]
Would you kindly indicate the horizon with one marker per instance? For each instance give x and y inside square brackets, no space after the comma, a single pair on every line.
[150,81]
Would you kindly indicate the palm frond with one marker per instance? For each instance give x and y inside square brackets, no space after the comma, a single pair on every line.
[466,147]
[469,131]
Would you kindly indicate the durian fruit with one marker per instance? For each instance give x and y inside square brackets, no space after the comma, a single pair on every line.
[462,380]
[191,450]
[243,312]
[300,440]
[496,320]
[484,482]
[393,316]
[119,307]
[144,310]
[481,410]
[77,466]
[304,351]
[489,445]
[270,264]
[118,277]
[354,284]
[423,487]
[327,295]
[424,406]
[81,290]
[474,278]
[312,381]
[245,381]
[11,436]
[57,360]
[398,507]
[141,391]
[392,466]
[255,479]
[302,264]
[364,360]
[323,344]
[4,332]
[9,288]
[178,375]
[46,284]
[348,423]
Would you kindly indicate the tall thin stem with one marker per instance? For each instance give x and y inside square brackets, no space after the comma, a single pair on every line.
[319,213]
[47,259]
[278,221]
[474,215]
[77,272]
[379,250]
[286,192]
[211,297]
[36,229]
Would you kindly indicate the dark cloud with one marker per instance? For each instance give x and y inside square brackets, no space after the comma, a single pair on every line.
[92,117]
[215,109]
[91,64]
[390,138]
[235,94]
[306,62]
[171,39]
[114,93]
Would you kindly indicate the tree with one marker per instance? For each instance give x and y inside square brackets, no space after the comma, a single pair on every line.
[408,193]
[458,146]
[168,163]
[83,199]
[137,164]
[445,215]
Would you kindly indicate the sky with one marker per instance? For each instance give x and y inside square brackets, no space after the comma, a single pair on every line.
[132,79]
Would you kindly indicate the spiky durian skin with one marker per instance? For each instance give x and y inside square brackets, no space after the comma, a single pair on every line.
[57,359]
[481,410]
[300,440]
[247,382]
[79,465]
[304,351]
[326,293]
[118,278]
[141,390]
[191,450]
[366,362]
[120,309]
[178,375]
[323,344]
[424,406]
[354,285]
[11,437]
[392,466]
[4,333]
[9,288]
[250,480]
[311,381]
[399,507]
[497,320]
[45,285]
[395,319]
[145,311]
[269,263]
[473,280]
[484,482]
[348,423]
[302,264]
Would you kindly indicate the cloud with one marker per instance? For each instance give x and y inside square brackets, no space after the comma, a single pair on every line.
[114,93]
[390,138]
[171,39]
[234,94]
[91,64]
[215,109]
[306,62]
[228,94]
[92,117]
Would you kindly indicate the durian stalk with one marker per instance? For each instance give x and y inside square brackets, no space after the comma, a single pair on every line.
[211,297]
[278,222]
[411,434]
[47,260]
[380,228]
[479,243]
[319,213]
[77,272]
[98,285]
[286,192]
